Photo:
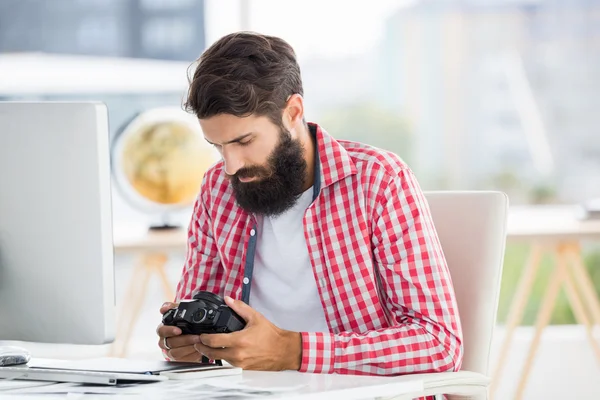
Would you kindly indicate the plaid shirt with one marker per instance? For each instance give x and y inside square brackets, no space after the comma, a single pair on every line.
[379,267]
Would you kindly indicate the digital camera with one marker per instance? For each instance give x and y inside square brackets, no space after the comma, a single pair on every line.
[206,313]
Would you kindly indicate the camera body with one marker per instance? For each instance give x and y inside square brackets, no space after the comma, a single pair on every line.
[206,313]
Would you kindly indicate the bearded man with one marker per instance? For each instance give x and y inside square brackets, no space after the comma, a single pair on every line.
[325,247]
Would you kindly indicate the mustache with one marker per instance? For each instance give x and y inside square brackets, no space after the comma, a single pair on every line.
[250,172]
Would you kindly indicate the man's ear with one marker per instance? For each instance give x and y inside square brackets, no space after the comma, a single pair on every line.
[293,112]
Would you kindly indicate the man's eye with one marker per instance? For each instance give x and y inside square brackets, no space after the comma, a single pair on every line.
[246,143]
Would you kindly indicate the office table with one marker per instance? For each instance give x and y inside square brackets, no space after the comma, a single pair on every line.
[271,385]
[554,230]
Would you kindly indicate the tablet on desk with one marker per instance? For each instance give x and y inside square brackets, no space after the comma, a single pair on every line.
[85,377]
[111,371]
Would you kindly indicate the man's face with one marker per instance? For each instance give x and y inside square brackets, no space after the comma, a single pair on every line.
[265,164]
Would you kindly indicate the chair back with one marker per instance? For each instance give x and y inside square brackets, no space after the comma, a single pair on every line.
[471,226]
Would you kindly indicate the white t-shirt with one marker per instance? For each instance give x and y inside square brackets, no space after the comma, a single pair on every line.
[283,285]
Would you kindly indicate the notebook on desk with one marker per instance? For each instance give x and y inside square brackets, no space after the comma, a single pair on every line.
[112,371]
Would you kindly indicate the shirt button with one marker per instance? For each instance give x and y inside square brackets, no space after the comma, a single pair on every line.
[252,232]
[246,280]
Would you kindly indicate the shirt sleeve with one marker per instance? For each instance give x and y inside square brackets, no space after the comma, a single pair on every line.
[202,269]
[415,286]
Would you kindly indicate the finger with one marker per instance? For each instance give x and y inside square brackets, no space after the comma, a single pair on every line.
[163,343]
[218,340]
[193,357]
[214,354]
[167,331]
[242,309]
[180,353]
[167,306]
[179,341]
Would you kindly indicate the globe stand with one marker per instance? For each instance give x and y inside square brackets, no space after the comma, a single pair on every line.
[166,224]
[164,227]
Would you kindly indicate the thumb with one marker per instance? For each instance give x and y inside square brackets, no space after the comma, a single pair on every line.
[242,309]
[167,306]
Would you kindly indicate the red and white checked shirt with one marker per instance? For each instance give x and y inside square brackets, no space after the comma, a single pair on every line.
[379,267]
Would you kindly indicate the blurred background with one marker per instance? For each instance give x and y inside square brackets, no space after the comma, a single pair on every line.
[473,94]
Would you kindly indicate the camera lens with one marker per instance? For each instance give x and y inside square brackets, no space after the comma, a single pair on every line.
[199,316]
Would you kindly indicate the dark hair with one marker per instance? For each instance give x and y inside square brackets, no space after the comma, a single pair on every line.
[244,73]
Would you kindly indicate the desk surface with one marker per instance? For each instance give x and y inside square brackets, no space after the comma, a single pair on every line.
[286,385]
[139,238]
[552,222]
[524,223]
[248,385]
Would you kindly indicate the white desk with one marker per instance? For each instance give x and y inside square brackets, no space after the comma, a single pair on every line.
[272,385]
[553,230]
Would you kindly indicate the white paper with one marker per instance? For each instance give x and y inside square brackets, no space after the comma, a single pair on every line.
[179,390]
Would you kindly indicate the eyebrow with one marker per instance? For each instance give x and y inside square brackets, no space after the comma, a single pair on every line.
[237,139]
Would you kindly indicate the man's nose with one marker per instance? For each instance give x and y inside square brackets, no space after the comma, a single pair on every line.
[233,162]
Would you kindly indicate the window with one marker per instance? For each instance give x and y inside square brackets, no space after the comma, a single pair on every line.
[166,4]
[97,3]
[98,34]
[160,34]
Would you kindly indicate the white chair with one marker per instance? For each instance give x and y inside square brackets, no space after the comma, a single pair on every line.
[471,227]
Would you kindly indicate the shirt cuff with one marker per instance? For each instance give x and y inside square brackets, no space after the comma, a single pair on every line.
[318,352]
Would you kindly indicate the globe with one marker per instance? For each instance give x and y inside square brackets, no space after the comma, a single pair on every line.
[159,160]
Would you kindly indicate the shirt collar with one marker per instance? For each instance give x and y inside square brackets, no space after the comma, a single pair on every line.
[332,161]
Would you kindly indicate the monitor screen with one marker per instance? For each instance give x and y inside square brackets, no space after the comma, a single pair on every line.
[56,250]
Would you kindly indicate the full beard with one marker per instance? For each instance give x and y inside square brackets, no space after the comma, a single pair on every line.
[278,185]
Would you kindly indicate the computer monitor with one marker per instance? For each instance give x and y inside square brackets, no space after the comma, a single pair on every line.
[56,250]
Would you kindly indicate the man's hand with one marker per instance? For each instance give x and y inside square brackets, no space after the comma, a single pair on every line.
[259,346]
[178,347]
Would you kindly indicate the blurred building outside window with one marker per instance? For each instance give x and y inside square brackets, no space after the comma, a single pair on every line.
[163,33]
[165,4]
[99,34]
